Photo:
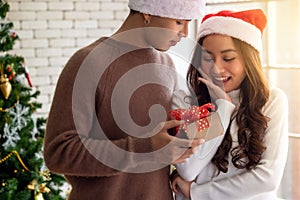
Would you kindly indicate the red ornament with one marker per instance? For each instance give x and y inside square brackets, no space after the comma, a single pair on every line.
[10,72]
[13,34]
[27,75]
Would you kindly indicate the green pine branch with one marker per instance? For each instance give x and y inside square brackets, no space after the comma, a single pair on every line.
[18,170]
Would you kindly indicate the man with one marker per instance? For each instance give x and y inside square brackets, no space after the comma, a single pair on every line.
[106,130]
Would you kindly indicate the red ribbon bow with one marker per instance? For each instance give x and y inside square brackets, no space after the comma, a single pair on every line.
[195,114]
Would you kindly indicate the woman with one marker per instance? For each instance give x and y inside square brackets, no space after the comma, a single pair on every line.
[250,161]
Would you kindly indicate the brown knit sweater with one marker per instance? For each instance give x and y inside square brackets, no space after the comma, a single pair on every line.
[83,136]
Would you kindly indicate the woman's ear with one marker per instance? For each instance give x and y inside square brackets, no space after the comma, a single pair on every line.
[147,18]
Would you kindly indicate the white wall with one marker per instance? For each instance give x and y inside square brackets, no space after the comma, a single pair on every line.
[51,31]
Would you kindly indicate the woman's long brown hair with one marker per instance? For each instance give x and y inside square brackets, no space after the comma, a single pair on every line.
[254,93]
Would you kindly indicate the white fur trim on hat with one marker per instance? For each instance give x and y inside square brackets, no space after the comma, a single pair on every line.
[233,27]
[176,9]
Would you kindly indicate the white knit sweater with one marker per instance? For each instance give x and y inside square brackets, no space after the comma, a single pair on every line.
[259,183]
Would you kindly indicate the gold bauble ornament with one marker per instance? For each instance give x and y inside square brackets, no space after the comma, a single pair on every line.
[38,196]
[5,86]
[38,189]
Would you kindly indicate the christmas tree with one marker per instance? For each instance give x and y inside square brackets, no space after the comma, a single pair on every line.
[23,174]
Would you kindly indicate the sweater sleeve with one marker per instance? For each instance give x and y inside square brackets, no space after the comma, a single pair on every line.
[264,179]
[197,162]
[194,165]
[75,144]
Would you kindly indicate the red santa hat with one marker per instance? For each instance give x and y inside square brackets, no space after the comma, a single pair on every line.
[175,9]
[247,25]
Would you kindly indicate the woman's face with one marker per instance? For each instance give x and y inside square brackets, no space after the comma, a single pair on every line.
[222,62]
[164,33]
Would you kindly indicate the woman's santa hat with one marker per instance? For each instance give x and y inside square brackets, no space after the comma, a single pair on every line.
[175,9]
[247,25]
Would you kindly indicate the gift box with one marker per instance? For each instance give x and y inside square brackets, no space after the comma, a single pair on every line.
[199,122]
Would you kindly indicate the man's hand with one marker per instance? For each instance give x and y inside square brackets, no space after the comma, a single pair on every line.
[174,150]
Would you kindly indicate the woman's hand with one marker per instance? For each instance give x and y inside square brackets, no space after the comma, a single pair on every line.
[179,184]
[215,91]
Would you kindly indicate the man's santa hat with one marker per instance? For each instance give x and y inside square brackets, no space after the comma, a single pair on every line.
[247,25]
[175,9]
